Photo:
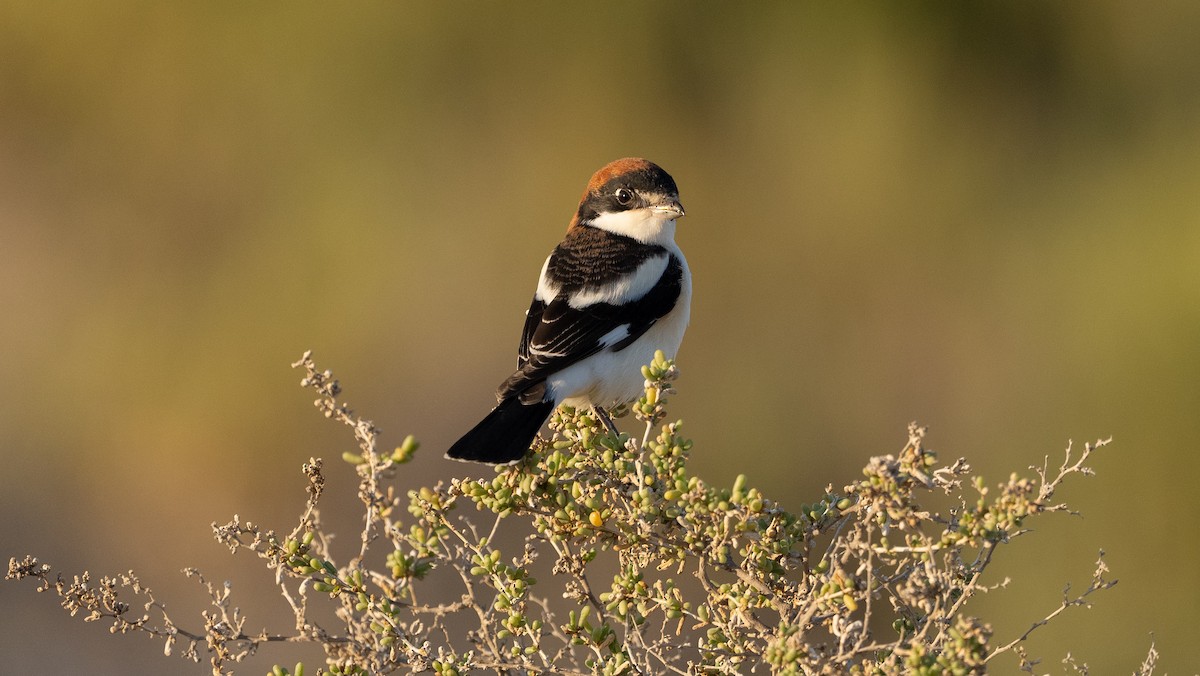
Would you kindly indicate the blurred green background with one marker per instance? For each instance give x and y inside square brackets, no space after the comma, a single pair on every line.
[983,216]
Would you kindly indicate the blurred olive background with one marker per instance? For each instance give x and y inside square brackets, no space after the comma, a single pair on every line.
[985,217]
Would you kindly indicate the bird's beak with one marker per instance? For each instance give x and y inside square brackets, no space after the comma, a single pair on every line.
[668,206]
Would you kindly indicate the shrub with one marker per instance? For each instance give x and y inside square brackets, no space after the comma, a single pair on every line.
[598,554]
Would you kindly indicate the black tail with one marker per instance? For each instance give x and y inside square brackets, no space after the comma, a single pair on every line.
[504,435]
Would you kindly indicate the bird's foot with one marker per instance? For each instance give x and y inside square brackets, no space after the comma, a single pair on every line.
[608,423]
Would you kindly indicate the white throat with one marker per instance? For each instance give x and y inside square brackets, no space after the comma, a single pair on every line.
[644,225]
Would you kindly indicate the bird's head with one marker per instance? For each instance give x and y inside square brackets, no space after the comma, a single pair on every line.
[631,197]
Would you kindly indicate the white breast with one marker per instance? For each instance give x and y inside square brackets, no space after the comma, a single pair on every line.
[608,378]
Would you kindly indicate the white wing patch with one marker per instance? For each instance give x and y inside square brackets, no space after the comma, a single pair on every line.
[615,336]
[546,290]
[624,290]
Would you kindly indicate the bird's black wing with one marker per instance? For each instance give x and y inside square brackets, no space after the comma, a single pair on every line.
[557,335]
[532,318]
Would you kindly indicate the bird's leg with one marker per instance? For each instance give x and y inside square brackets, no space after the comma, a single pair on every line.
[608,423]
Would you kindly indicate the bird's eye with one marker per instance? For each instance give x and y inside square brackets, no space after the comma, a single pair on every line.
[624,196]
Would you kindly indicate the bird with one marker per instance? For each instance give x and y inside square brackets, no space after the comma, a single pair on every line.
[615,290]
